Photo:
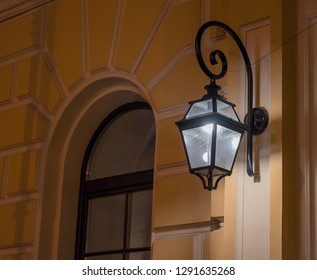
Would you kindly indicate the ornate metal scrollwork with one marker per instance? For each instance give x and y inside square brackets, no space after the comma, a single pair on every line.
[252,120]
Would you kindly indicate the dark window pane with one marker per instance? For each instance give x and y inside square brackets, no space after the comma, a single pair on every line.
[143,255]
[125,146]
[106,257]
[105,225]
[140,219]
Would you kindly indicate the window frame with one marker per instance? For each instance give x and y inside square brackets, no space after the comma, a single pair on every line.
[119,184]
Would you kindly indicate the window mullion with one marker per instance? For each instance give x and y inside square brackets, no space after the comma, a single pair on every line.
[126,232]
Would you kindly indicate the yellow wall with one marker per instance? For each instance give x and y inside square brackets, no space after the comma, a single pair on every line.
[45,73]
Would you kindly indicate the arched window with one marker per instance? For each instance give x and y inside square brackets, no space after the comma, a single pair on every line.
[114,216]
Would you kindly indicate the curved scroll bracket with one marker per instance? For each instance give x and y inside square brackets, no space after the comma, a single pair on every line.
[208,181]
[252,116]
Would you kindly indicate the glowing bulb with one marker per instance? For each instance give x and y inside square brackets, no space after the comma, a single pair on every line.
[208,128]
[235,142]
[205,157]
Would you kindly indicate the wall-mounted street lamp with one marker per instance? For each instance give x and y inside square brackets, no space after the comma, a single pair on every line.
[211,129]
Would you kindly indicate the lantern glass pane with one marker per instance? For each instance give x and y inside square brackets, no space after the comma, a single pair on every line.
[200,108]
[198,145]
[226,110]
[227,145]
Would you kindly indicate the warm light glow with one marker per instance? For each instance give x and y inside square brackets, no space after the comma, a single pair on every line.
[235,143]
[205,157]
[208,128]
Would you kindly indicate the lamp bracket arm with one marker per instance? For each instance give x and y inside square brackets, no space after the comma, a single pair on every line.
[214,77]
[213,54]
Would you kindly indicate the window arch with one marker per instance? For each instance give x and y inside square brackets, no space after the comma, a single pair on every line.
[114,213]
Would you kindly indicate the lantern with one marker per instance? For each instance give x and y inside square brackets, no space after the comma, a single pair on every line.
[211,129]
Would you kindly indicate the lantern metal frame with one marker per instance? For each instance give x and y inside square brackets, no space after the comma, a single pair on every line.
[256,119]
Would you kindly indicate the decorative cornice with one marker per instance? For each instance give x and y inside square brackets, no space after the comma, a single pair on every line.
[10,9]
[195,231]
[187,230]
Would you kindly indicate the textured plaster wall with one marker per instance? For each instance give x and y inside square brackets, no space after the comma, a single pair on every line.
[58,61]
